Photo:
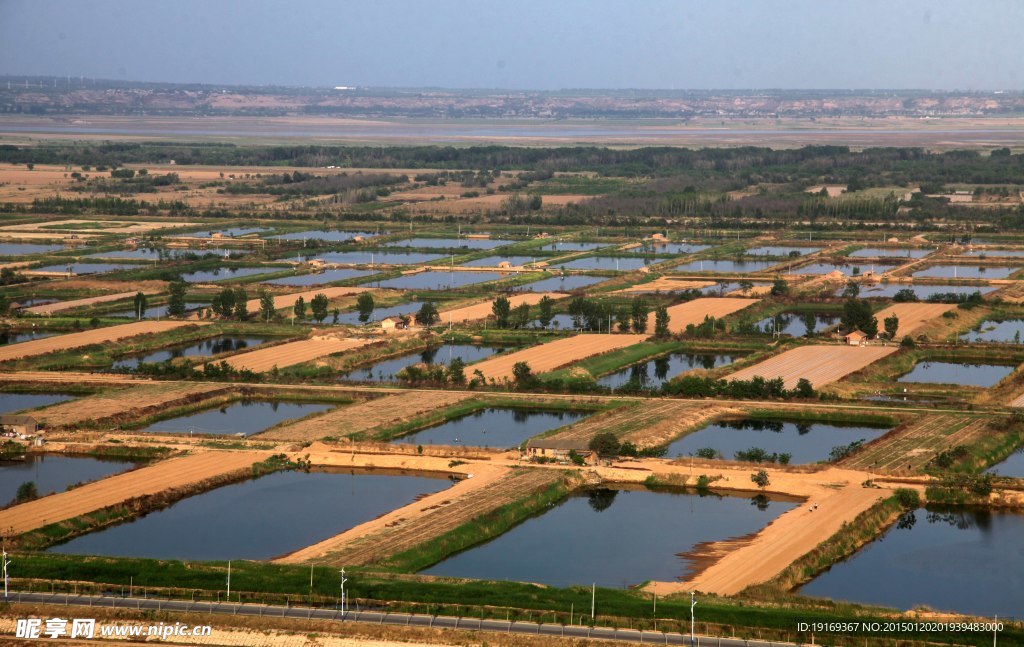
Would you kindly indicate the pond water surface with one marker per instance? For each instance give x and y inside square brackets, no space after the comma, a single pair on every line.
[496,428]
[54,473]
[655,373]
[245,417]
[983,375]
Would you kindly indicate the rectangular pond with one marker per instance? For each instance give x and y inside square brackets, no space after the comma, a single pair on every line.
[155,312]
[387,370]
[87,268]
[562,283]
[205,347]
[320,278]
[612,537]
[244,417]
[654,373]
[18,336]
[158,254]
[963,559]
[259,519]
[966,272]
[436,280]
[805,442]
[795,323]
[569,246]
[781,250]
[983,375]
[449,243]
[674,248]
[491,427]
[11,401]
[334,236]
[1011,330]
[230,232]
[923,292]
[225,273]
[54,473]
[1012,466]
[27,249]
[1007,253]
[724,266]
[849,269]
[378,258]
[890,252]
[611,263]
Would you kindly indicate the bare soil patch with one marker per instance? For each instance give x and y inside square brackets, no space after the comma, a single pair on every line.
[85,338]
[913,315]
[296,352]
[483,310]
[556,354]
[694,312]
[128,403]
[820,364]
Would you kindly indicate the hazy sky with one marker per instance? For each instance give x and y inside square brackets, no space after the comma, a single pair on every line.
[539,44]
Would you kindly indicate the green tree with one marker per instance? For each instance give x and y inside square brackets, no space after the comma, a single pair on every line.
[427,315]
[176,298]
[810,321]
[267,309]
[746,287]
[857,315]
[5,305]
[605,444]
[365,306]
[851,290]
[892,325]
[804,388]
[241,310]
[760,479]
[779,287]
[26,492]
[547,311]
[224,303]
[661,321]
[639,310]
[299,309]
[456,373]
[319,304]
[521,315]
[502,309]
[522,374]
[139,305]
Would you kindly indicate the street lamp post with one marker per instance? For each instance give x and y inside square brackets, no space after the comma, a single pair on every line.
[693,603]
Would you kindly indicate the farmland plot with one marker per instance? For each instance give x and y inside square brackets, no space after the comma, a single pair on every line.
[820,364]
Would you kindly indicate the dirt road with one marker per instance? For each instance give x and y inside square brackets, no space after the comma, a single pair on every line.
[95,336]
[164,475]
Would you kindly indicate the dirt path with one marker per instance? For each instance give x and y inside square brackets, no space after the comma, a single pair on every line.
[296,352]
[820,364]
[131,402]
[489,488]
[556,354]
[164,475]
[739,564]
[912,315]
[95,336]
[693,312]
[348,420]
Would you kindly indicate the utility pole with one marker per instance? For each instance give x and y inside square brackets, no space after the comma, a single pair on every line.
[343,580]
[593,596]
[693,603]
[229,579]
[6,562]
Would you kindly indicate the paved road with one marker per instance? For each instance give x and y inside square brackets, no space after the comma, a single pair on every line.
[380,618]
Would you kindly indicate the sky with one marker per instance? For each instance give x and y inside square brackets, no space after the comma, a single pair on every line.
[524,44]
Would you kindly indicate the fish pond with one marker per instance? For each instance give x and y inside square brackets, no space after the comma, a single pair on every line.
[1011,330]
[388,369]
[890,252]
[959,559]
[389,257]
[18,336]
[261,518]
[225,273]
[654,373]
[449,243]
[922,292]
[613,537]
[725,266]
[562,283]
[320,278]
[804,442]
[27,249]
[435,280]
[781,250]
[54,473]
[331,235]
[205,348]
[962,373]
[795,323]
[966,272]
[491,427]
[613,263]
[86,268]
[11,401]
[243,417]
